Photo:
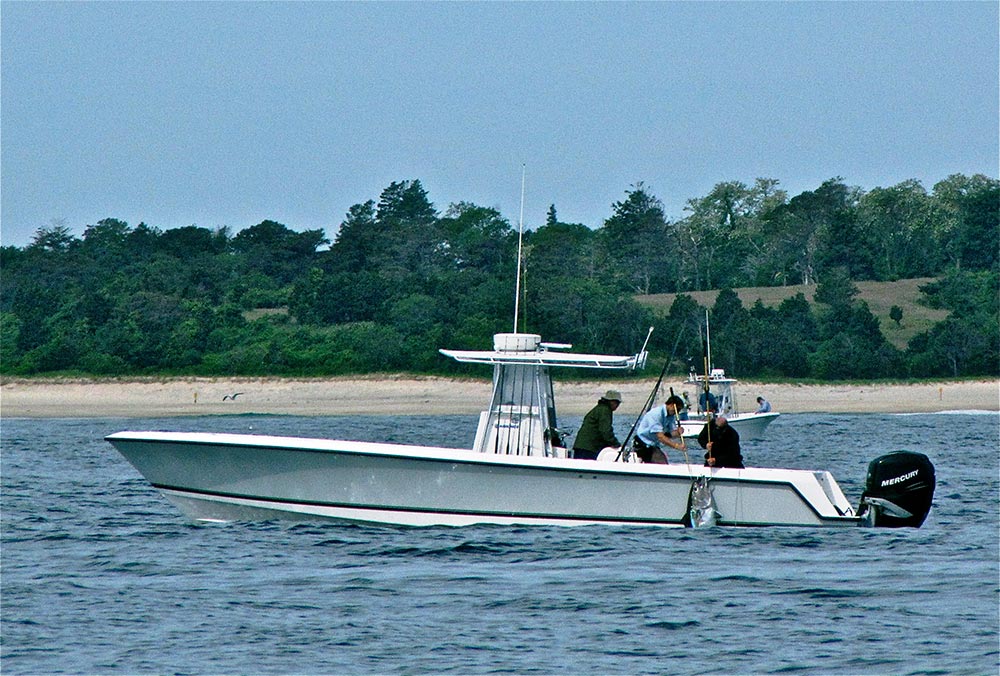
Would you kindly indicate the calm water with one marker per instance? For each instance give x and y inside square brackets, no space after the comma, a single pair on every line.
[101,575]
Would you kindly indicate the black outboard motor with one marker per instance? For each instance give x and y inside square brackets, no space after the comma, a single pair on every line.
[898,491]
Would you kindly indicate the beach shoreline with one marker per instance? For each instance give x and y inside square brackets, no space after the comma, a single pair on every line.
[414,395]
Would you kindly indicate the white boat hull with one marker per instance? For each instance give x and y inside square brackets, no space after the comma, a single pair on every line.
[225,477]
[749,425]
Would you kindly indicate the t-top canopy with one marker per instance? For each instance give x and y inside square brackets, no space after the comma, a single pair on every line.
[526,348]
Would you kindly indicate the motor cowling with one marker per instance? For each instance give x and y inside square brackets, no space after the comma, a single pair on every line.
[898,491]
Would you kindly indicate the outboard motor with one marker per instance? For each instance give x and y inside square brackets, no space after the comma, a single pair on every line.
[898,491]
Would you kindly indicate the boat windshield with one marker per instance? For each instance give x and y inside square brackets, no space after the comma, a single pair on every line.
[722,390]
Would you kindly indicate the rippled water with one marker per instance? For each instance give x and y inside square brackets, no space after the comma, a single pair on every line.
[101,575]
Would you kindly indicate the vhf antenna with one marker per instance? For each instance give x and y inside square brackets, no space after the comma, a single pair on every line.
[520,236]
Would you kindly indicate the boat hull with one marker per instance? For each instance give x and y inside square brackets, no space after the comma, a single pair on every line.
[225,477]
[749,425]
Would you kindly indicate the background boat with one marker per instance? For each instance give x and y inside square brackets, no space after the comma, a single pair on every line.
[749,425]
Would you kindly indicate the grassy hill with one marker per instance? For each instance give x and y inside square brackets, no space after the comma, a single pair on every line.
[880,296]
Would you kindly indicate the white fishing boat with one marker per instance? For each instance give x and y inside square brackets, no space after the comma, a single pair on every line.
[717,392]
[518,471]
[750,425]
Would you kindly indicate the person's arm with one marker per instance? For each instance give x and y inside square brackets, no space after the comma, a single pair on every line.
[708,439]
[672,442]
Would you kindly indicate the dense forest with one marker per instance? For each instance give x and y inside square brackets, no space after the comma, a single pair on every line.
[401,279]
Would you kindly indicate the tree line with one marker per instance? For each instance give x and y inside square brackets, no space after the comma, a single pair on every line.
[401,279]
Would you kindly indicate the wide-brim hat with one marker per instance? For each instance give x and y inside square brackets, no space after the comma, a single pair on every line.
[613,395]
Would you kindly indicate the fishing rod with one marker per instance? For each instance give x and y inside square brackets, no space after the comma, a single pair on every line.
[652,395]
[702,510]
[707,393]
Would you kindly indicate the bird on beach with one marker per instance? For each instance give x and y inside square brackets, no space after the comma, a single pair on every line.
[232,396]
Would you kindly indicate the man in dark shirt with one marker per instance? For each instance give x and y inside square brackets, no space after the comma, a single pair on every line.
[597,429]
[722,443]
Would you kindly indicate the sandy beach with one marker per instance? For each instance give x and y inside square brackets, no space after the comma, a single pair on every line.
[416,395]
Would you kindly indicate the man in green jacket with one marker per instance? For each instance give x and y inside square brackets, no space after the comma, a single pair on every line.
[597,430]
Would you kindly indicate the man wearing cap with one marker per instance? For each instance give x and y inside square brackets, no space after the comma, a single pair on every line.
[597,430]
[658,429]
[722,443]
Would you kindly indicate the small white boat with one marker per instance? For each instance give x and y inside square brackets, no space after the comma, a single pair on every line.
[518,472]
[714,388]
[749,425]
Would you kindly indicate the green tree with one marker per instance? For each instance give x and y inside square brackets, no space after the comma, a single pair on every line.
[896,314]
[551,218]
[478,237]
[851,341]
[730,331]
[351,285]
[55,238]
[636,244]
[968,224]
[561,250]
[417,249]
[192,240]
[360,241]
[106,240]
[37,291]
[759,354]
[584,312]
[836,289]
[794,336]
[684,328]
[838,230]
[276,251]
[811,232]
[968,341]
[724,235]
[418,318]
[958,346]
[10,330]
[896,233]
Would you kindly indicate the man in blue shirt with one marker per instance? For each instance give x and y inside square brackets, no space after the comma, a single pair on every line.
[658,429]
[707,402]
[764,405]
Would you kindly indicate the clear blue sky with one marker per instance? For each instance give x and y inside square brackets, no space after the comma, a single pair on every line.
[231,113]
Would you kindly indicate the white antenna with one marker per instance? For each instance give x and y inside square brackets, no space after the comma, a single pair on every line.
[520,235]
